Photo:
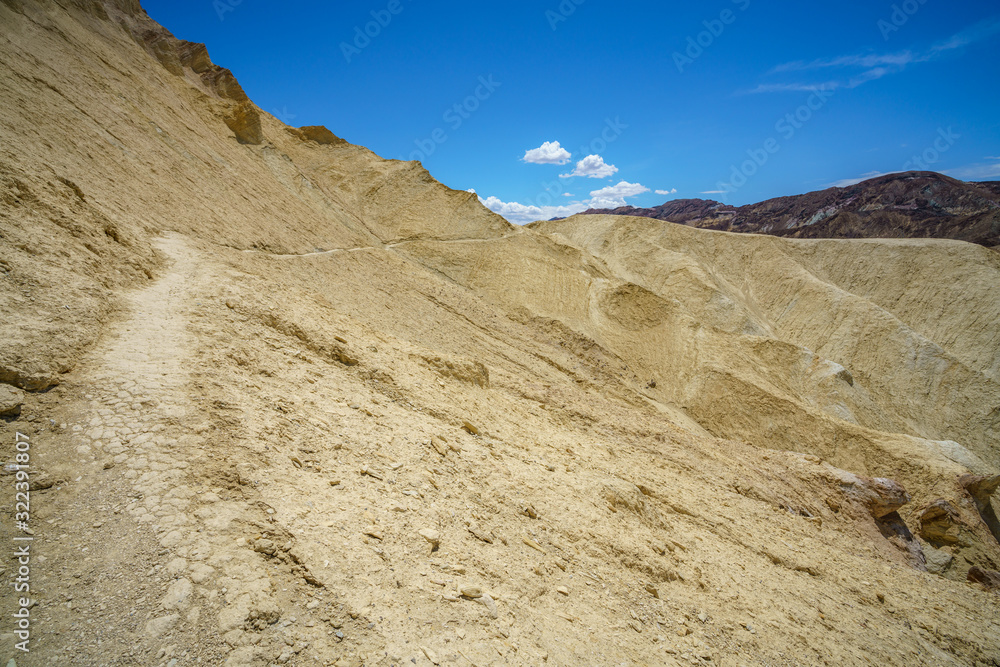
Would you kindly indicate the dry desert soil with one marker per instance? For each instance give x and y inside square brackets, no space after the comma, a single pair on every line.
[288,403]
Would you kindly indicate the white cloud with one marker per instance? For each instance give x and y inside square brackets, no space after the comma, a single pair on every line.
[976,172]
[568,194]
[549,152]
[614,196]
[847,182]
[472,190]
[852,82]
[672,191]
[874,66]
[976,33]
[521,214]
[867,61]
[713,192]
[592,166]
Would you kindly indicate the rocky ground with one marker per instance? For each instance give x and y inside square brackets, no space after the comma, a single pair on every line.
[287,403]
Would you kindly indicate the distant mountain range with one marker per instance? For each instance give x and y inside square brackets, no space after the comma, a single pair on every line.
[915,204]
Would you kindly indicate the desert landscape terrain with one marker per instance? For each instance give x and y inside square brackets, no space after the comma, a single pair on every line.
[282,401]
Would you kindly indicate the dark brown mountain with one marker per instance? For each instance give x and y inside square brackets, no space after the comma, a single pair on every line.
[916,204]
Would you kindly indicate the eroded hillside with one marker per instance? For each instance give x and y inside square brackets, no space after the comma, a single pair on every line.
[914,204]
[292,403]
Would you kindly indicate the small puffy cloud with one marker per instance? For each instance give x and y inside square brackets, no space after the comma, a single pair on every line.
[521,214]
[671,191]
[568,194]
[472,190]
[592,166]
[614,196]
[548,153]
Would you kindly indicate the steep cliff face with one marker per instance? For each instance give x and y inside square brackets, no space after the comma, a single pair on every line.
[277,389]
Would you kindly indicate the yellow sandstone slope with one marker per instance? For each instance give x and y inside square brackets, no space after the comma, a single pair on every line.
[290,403]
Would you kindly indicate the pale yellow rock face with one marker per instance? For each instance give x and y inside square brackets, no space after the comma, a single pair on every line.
[288,402]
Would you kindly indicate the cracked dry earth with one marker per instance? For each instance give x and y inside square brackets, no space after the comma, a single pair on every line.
[189,571]
[224,495]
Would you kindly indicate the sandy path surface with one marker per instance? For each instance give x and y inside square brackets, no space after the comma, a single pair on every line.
[136,522]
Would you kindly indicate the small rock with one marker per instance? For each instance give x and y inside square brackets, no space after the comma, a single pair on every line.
[158,626]
[371,472]
[488,602]
[533,544]
[703,617]
[108,465]
[33,378]
[940,522]
[472,592]
[562,590]
[988,579]
[469,428]
[264,546]
[981,488]
[432,536]
[374,533]
[653,590]
[938,560]
[440,445]
[882,496]
[11,399]
[178,595]
[431,655]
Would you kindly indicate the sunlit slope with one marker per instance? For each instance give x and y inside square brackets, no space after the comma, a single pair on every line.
[283,390]
[748,337]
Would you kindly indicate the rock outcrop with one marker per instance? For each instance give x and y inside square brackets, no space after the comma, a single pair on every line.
[11,400]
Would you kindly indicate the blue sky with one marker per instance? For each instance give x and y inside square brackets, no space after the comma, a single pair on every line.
[734,100]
